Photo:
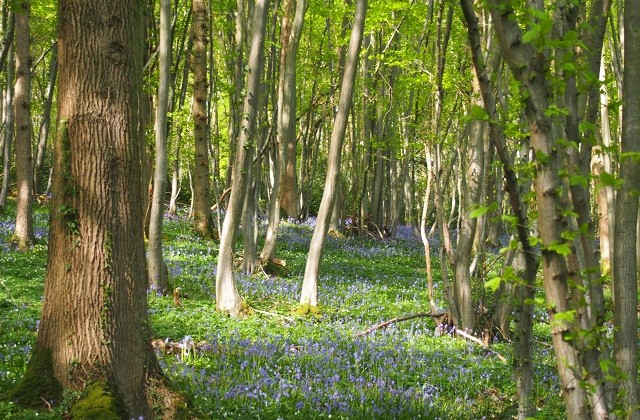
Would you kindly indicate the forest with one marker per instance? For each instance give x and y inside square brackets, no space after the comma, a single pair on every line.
[319,209]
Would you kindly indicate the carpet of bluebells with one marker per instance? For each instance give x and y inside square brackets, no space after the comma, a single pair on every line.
[275,364]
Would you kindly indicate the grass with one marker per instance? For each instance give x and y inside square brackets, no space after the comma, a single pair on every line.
[287,366]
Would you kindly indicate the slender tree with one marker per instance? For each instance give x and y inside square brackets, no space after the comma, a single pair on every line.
[625,261]
[289,40]
[8,126]
[158,276]
[309,293]
[227,298]
[45,126]
[202,218]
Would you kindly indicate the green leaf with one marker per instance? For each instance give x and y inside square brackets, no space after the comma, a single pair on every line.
[579,180]
[533,240]
[568,316]
[609,180]
[480,211]
[493,283]
[477,112]
[531,35]
[560,248]
[541,156]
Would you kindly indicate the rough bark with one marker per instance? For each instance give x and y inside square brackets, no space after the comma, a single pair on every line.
[202,219]
[23,234]
[94,323]
[309,293]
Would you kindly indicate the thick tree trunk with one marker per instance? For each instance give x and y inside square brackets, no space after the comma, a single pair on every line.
[23,234]
[227,298]
[202,219]
[94,323]
[158,274]
[309,293]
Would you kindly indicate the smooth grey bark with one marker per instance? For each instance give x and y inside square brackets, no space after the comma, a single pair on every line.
[235,99]
[157,268]
[23,234]
[227,298]
[625,259]
[470,198]
[175,165]
[285,166]
[287,108]
[43,134]
[309,293]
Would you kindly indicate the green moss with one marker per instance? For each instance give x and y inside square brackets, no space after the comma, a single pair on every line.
[38,387]
[306,309]
[97,403]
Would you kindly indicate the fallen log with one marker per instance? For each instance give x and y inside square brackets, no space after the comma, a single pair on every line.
[456,332]
[398,319]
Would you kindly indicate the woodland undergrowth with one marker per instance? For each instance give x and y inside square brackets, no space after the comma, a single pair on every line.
[275,363]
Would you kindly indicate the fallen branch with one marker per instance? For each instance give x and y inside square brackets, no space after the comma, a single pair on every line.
[288,318]
[478,341]
[426,315]
[398,319]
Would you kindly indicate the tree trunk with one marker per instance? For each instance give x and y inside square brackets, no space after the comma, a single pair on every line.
[8,129]
[285,189]
[290,38]
[158,273]
[529,68]
[235,99]
[43,135]
[309,293]
[202,219]
[94,323]
[625,260]
[23,234]
[227,298]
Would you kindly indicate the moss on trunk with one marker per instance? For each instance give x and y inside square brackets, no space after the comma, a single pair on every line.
[38,387]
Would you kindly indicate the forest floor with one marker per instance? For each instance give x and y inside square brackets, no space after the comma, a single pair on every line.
[275,363]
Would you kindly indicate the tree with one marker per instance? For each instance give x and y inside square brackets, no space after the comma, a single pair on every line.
[625,263]
[227,298]
[203,221]
[158,275]
[23,234]
[94,329]
[8,117]
[286,154]
[309,293]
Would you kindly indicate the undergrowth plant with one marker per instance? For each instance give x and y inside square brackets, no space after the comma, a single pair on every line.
[275,363]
